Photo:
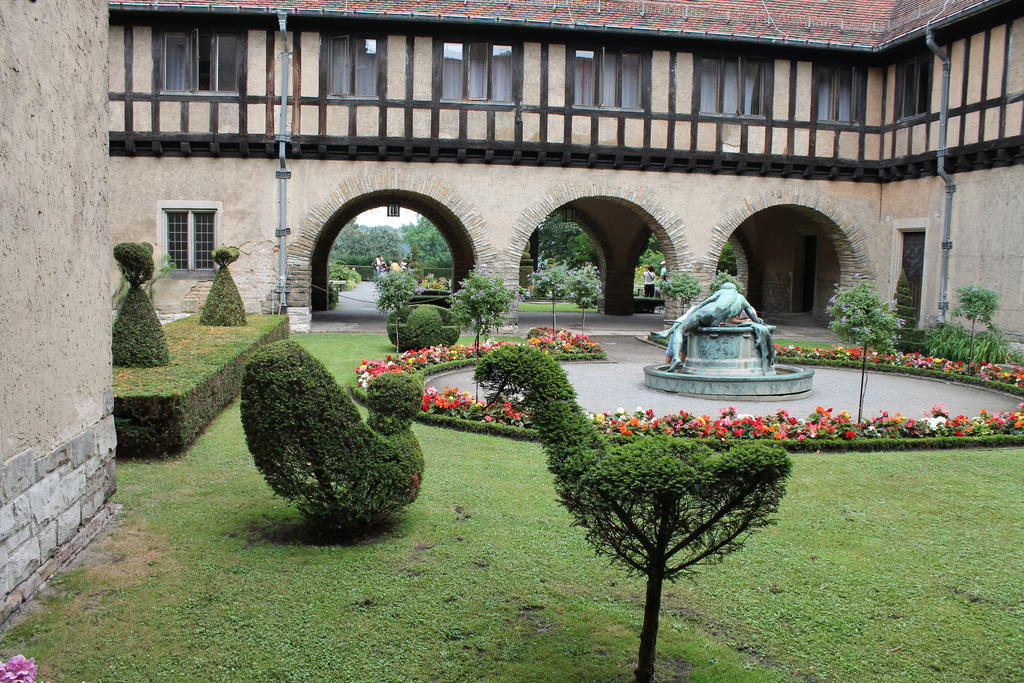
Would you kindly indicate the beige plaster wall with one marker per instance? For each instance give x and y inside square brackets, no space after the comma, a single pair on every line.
[55,328]
[987,232]
[56,429]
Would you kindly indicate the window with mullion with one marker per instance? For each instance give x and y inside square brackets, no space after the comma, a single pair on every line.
[913,86]
[354,66]
[476,71]
[840,92]
[607,78]
[732,85]
[190,239]
[200,61]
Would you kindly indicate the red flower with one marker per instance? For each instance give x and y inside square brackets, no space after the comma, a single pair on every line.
[849,434]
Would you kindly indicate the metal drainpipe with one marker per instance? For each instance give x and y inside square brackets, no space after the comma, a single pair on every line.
[947,217]
[283,174]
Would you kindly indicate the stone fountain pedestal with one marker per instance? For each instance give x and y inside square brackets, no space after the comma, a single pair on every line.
[724,362]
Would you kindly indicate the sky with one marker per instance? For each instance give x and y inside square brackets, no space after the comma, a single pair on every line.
[379,216]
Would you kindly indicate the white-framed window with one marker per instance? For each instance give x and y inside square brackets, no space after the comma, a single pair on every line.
[839,93]
[188,232]
[200,61]
[732,85]
[607,78]
[354,66]
[476,71]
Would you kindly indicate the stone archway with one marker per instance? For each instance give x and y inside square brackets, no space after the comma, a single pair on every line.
[640,204]
[796,247]
[846,234]
[459,222]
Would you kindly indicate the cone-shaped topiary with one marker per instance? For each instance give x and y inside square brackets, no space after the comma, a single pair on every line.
[313,448]
[905,308]
[423,325]
[657,505]
[137,339]
[223,307]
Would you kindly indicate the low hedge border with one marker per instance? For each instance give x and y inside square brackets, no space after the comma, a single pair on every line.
[160,411]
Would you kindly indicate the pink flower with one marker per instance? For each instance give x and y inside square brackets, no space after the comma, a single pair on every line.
[18,670]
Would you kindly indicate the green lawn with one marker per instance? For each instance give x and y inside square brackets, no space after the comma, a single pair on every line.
[887,566]
[531,307]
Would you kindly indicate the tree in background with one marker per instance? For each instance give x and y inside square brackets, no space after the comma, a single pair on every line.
[652,256]
[482,303]
[583,288]
[551,282]
[357,245]
[976,304]
[394,291]
[682,287]
[720,278]
[860,316]
[431,248]
[727,260]
[565,242]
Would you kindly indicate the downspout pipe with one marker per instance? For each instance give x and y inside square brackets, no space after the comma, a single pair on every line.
[947,215]
[283,174]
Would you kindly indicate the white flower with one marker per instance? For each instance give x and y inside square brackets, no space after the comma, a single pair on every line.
[620,410]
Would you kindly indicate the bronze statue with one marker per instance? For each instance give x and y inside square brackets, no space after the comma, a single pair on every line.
[722,306]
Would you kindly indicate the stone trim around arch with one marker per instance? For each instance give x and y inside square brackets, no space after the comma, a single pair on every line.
[430,188]
[847,237]
[664,223]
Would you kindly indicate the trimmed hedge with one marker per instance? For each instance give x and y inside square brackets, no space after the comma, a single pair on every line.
[422,326]
[160,411]
[137,339]
[223,305]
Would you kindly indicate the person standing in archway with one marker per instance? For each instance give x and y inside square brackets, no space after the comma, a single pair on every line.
[649,282]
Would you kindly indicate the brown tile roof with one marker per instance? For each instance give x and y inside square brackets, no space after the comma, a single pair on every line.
[861,23]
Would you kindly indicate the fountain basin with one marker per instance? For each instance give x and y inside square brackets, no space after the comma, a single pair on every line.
[785,382]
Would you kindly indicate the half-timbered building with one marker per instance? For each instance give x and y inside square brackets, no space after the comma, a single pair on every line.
[822,139]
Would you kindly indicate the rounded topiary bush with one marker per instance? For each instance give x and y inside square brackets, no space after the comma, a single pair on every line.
[223,307]
[137,339]
[313,448]
[423,325]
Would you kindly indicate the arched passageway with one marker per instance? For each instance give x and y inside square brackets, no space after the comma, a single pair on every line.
[457,221]
[619,226]
[448,226]
[791,257]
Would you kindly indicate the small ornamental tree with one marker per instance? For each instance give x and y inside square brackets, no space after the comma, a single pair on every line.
[905,308]
[658,506]
[395,289]
[311,445]
[551,282]
[223,307]
[720,278]
[137,339]
[583,288]
[860,316]
[682,287]
[976,304]
[482,303]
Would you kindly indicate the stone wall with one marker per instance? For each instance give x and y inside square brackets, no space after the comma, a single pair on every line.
[56,429]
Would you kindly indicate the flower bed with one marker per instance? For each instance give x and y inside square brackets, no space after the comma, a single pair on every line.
[824,429]
[1004,378]
[561,343]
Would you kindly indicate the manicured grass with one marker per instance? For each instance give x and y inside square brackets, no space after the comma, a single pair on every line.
[534,307]
[885,566]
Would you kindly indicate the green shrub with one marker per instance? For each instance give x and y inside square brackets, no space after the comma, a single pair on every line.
[307,438]
[223,307]
[421,326]
[911,339]
[953,342]
[905,308]
[161,410]
[137,338]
